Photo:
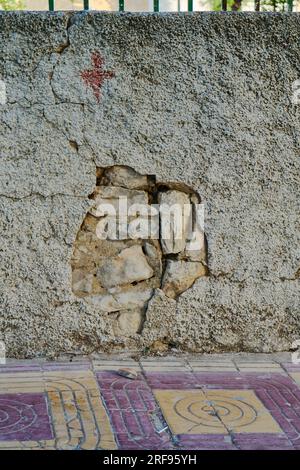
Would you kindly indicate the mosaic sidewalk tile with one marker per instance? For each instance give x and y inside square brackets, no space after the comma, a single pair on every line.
[205,442]
[277,392]
[22,382]
[262,442]
[24,416]
[69,380]
[245,380]
[74,409]
[269,402]
[215,412]
[135,417]
[171,380]
[290,366]
[295,376]
[173,404]
[13,368]
[188,412]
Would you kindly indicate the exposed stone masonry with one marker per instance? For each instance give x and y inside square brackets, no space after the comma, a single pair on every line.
[119,274]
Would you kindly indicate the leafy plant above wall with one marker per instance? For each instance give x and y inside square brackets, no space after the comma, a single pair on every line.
[277,5]
[234,5]
[12,5]
[265,5]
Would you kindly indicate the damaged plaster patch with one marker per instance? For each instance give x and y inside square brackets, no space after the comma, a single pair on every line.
[120,272]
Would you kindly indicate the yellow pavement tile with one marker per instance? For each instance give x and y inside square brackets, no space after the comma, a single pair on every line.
[187,412]
[215,412]
[242,411]
[21,382]
[78,416]
[26,445]
[295,376]
[70,380]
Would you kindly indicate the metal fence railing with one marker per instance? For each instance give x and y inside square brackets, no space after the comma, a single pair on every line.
[190,5]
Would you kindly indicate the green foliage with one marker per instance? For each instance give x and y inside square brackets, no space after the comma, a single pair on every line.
[276,5]
[235,5]
[12,5]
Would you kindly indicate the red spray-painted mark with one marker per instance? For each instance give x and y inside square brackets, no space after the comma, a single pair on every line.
[96,76]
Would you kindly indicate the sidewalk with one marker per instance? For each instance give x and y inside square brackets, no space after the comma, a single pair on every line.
[225,401]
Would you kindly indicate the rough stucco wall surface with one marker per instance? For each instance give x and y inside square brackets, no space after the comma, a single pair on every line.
[202,99]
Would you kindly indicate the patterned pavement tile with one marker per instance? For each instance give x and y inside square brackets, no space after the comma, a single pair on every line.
[170,380]
[277,392]
[206,442]
[289,366]
[189,403]
[135,416]
[261,405]
[215,412]
[24,416]
[262,442]
[189,412]
[295,376]
[67,402]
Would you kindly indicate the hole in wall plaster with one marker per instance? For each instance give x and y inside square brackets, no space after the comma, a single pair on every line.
[119,274]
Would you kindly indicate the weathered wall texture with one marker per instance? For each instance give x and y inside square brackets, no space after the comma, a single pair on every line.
[201,99]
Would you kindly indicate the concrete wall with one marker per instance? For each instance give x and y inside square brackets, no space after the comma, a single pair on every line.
[202,99]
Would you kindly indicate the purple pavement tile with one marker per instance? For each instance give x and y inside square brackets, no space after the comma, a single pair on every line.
[113,380]
[291,367]
[238,380]
[128,442]
[24,416]
[272,381]
[171,380]
[7,368]
[277,392]
[205,442]
[222,380]
[139,399]
[133,412]
[136,418]
[262,441]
